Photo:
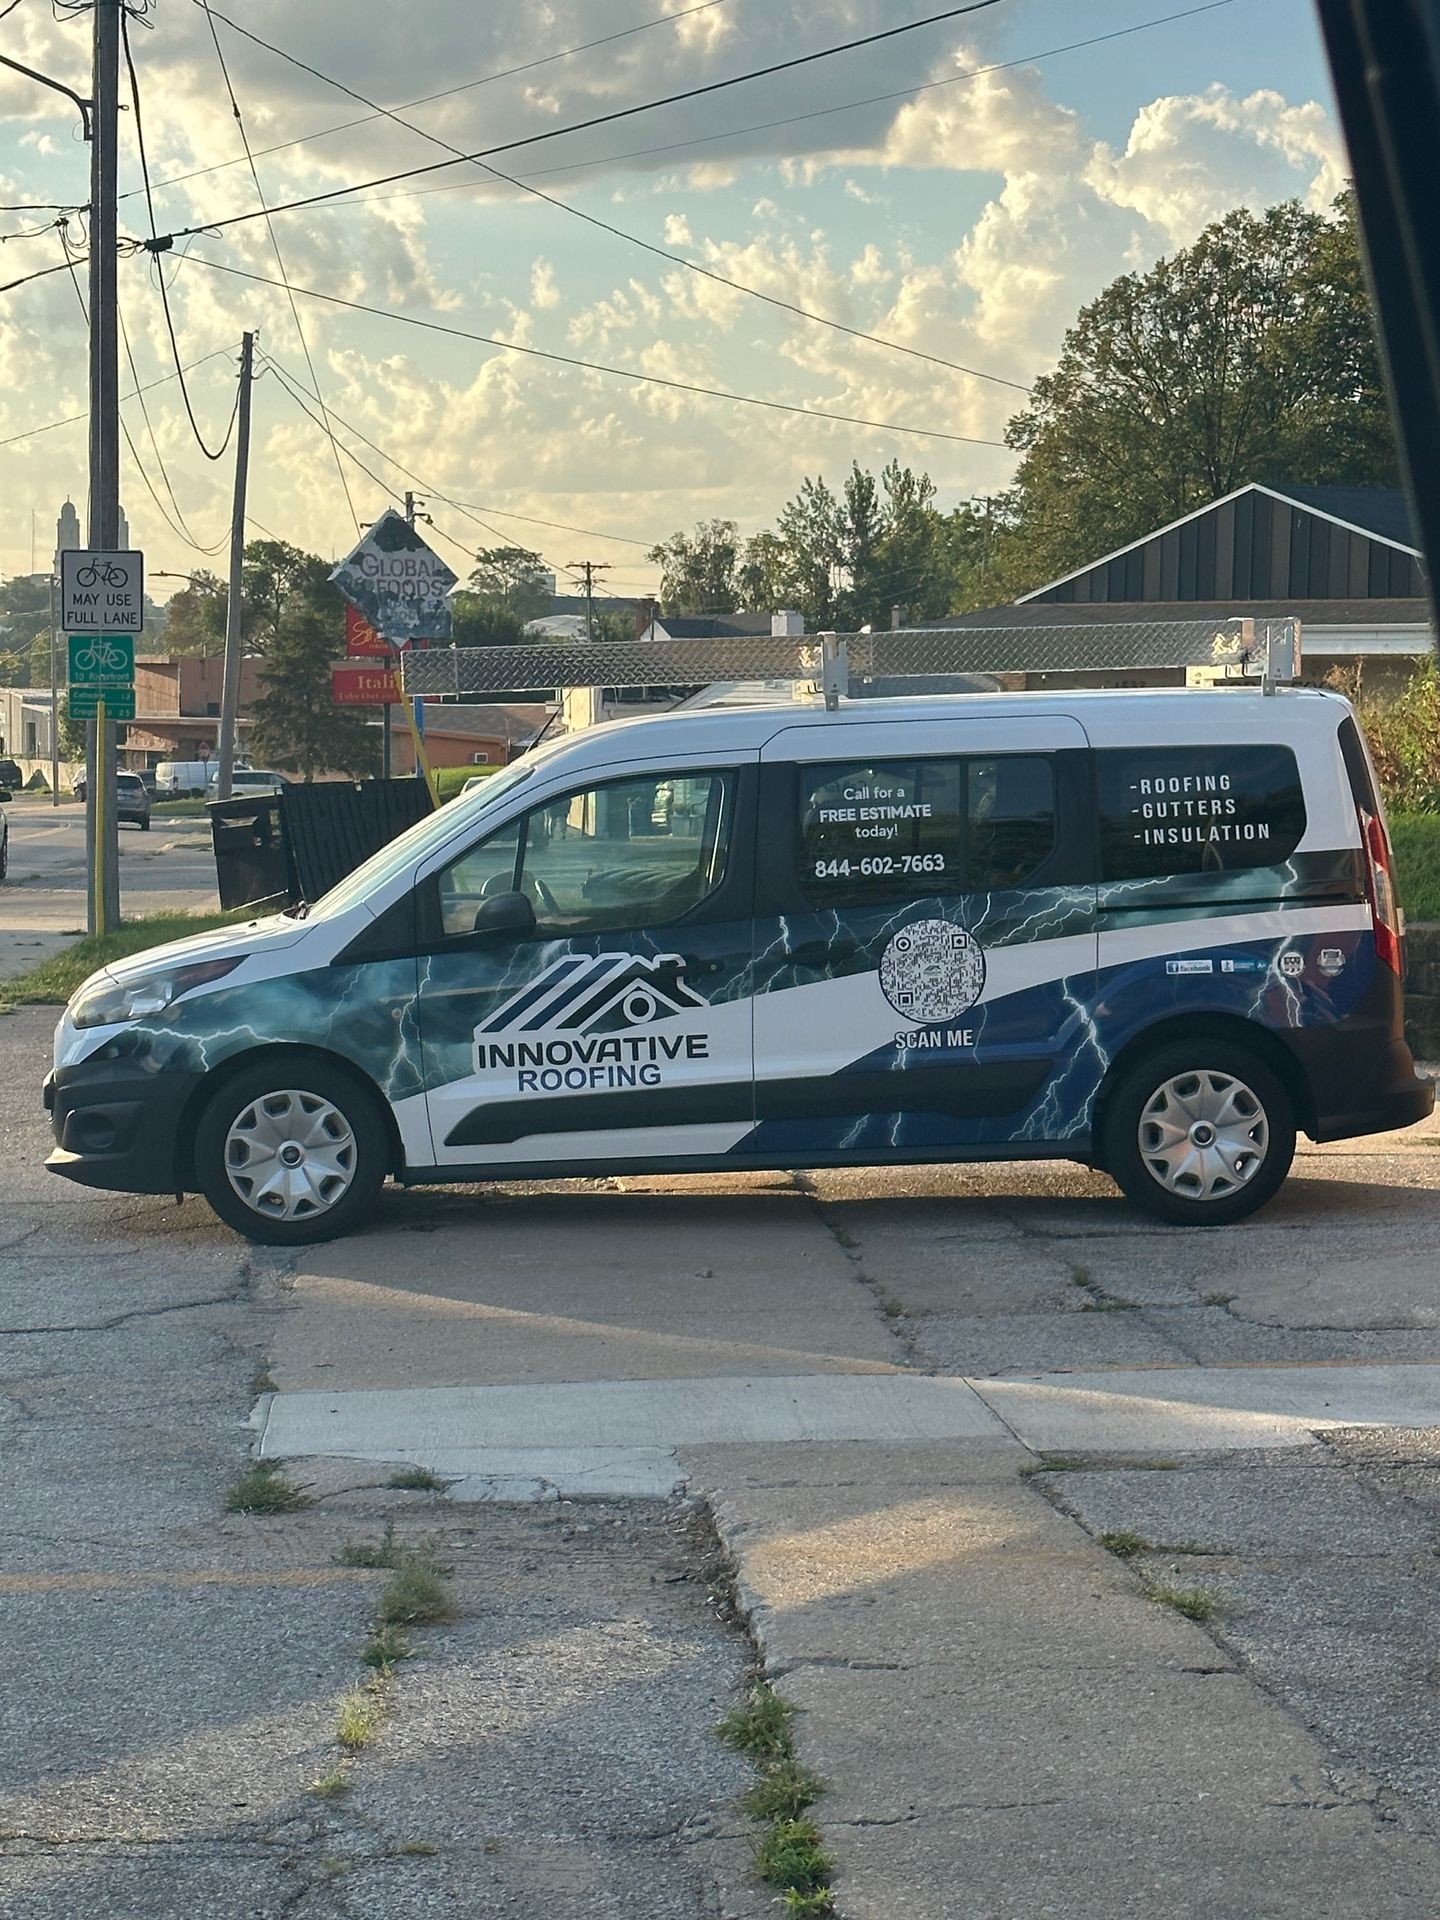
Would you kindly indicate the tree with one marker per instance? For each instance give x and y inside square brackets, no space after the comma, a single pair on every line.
[513,578]
[697,570]
[71,733]
[197,616]
[479,622]
[297,724]
[811,528]
[762,578]
[25,633]
[276,581]
[1248,356]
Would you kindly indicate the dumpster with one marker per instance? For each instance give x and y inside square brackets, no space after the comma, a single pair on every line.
[332,827]
[252,867]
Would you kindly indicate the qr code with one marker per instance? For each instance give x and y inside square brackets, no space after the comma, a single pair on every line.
[932,970]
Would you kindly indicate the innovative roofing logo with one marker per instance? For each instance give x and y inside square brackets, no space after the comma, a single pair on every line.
[608,993]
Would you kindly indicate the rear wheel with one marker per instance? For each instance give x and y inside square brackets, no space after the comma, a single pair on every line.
[1200,1133]
[291,1152]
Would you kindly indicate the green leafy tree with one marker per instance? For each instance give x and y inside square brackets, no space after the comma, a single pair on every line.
[279,583]
[812,530]
[762,579]
[25,633]
[1247,356]
[512,578]
[482,622]
[697,570]
[297,724]
[71,732]
[197,616]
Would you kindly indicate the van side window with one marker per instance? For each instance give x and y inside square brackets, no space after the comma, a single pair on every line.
[1202,809]
[626,853]
[902,829]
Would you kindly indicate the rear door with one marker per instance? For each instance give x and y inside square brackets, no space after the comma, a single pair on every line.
[618,1027]
[925,937]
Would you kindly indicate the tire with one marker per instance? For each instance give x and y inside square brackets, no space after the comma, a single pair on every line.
[4,853]
[303,1101]
[144,825]
[1156,1094]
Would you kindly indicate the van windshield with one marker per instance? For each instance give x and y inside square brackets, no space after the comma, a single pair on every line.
[416,841]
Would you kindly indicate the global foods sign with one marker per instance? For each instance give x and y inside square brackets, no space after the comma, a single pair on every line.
[397,583]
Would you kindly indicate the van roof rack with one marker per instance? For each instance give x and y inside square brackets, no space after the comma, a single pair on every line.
[1243,650]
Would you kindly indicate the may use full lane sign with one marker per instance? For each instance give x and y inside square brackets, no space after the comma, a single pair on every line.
[101,592]
[398,583]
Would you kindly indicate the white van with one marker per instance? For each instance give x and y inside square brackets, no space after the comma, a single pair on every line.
[1155,932]
[176,779]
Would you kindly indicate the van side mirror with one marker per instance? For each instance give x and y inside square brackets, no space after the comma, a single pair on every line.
[504,913]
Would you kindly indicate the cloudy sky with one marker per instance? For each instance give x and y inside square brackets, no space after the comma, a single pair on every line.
[965,216]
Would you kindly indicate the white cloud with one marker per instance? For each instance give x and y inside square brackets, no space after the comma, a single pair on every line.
[677,231]
[543,291]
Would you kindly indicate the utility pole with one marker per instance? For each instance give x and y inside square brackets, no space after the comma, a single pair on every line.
[103,887]
[230,682]
[589,569]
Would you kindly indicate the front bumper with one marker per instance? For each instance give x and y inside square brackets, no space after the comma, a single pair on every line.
[119,1127]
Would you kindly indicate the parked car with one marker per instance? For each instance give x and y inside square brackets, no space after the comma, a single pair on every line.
[1152,931]
[11,776]
[132,797]
[247,781]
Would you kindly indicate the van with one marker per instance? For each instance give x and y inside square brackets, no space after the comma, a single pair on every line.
[1154,932]
[175,779]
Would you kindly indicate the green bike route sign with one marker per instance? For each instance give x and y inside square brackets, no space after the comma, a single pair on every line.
[102,667]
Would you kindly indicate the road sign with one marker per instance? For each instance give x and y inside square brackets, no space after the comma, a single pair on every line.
[365,686]
[101,661]
[397,583]
[119,702]
[361,638]
[101,592]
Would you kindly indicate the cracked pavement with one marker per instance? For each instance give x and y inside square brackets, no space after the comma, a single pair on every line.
[1011,1720]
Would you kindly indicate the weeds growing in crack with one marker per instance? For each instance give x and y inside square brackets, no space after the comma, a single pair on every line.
[1196,1603]
[263,1488]
[789,1851]
[362,1713]
[415,1596]
[417,1480]
[331,1785]
[383,1553]
[386,1648]
[1125,1546]
[1051,1463]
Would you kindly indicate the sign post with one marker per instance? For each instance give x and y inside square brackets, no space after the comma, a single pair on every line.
[400,587]
[102,601]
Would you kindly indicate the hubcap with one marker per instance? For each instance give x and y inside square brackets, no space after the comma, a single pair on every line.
[290,1155]
[1203,1135]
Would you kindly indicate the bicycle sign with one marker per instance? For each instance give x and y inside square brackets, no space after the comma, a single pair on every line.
[101,663]
[101,593]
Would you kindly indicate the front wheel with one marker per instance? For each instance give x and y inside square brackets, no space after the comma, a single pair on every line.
[1199,1133]
[291,1152]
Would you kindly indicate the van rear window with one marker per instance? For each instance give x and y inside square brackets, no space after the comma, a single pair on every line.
[1172,810]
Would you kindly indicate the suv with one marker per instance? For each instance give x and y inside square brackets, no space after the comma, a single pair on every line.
[246,781]
[10,775]
[1155,932]
[132,797]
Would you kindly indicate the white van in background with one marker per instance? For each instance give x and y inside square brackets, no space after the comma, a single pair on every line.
[181,779]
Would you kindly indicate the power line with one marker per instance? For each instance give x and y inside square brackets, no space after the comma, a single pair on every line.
[39,274]
[424,99]
[218,452]
[159,243]
[606,226]
[821,113]
[275,246]
[596,366]
[73,419]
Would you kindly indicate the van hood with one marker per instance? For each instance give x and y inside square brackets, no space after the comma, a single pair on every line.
[273,933]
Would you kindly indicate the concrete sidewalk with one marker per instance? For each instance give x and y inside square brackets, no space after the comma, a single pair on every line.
[1011,1729]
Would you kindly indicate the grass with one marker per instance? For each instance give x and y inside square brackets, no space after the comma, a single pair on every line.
[1416,840]
[52,982]
[362,1713]
[1125,1546]
[382,1553]
[331,1785]
[263,1488]
[386,1648]
[450,780]
[415,1596]
[1051,1463]
[1196,1603]
[789,1850]
[417,1480]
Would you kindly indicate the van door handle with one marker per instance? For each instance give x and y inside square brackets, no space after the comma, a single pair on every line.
[820,953]
[690,964]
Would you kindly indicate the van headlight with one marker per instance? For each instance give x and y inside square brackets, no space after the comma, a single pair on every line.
[103,1002]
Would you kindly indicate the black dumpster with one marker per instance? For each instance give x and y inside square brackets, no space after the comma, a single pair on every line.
[332,827]
[251,865]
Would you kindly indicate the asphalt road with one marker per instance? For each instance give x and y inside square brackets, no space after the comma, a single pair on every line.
[170,868]
[1010,1723]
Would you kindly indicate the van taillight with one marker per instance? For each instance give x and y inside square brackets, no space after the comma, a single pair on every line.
[1384,906]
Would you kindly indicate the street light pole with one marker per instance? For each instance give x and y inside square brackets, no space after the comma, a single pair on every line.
[230,686]
[103,886]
